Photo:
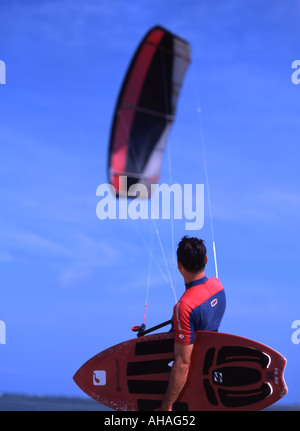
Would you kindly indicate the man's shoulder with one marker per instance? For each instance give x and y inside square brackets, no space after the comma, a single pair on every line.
[213,281]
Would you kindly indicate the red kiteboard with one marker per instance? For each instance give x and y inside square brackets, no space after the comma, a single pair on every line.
[227,372]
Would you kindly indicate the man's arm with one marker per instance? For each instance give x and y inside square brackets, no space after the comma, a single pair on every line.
[178,375]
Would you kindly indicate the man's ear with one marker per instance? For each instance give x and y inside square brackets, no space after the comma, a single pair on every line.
[206,259]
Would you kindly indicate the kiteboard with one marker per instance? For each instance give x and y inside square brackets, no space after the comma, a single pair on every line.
[227,372]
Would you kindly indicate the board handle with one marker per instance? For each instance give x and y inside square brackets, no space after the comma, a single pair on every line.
[141,330]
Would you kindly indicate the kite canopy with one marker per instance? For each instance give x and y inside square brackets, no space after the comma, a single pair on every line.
[145,110]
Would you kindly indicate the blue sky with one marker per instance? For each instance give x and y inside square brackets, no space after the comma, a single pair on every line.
[73,285]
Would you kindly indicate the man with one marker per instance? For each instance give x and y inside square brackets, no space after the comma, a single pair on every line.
[200,308]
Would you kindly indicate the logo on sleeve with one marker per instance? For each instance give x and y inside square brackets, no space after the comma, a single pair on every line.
[214,302]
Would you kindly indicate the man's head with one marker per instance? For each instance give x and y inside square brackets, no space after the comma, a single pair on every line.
[191,254]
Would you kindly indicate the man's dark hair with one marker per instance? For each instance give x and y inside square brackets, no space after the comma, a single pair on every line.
[191,253]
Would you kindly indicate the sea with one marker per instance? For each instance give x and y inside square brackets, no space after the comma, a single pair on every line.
[19,402]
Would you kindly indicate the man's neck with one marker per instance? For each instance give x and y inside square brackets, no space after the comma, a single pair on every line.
[189,277]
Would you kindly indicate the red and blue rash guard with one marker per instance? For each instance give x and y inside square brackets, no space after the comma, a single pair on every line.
[200,308]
